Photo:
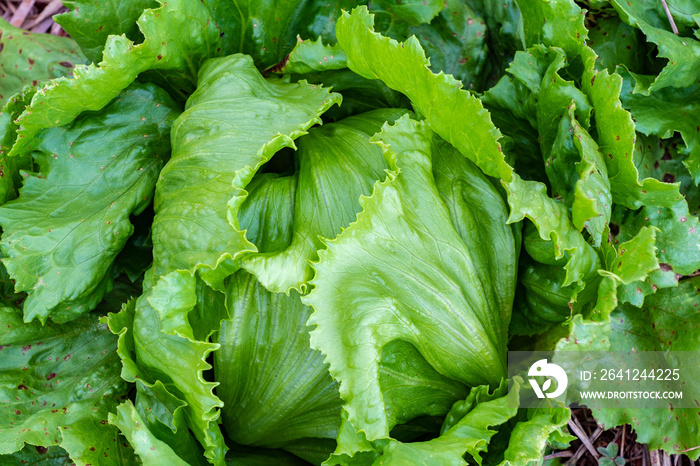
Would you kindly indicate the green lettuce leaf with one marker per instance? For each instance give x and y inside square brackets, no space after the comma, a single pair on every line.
[165,47]
[665,111]
[245,456]
[616,137]
[370,53]
[666,322]
[616,43]
[360,95]
[412,12]
[660,159]
[267,213]
[455,42]
[150,450]
[35,455]
[405,239]
[678,237]
[337,165]
[30,58]
[90,24]
[312,56]
[268,30]
[531,435]
[219,143]
[177,356]
[274,387]
[57,385]
[504,35]
[72,218]
[564,28]
[467,433]
[163,413]
[683,53]
[10,167]
[470,435]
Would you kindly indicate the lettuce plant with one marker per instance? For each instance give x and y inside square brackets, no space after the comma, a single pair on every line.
[309,232]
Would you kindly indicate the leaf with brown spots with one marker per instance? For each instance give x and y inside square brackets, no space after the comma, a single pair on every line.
[71,219]
[26,57]
[48,401]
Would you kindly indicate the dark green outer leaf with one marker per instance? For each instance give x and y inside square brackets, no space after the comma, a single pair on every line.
[57,384]
[268,30]
[667,110]
[71,220]
[505,36]
[37,456]
[267,214]
[455,42]
[683,53]
[678,239]
[165,47]
[89,23]
[668,321]
[246,456]
[616,43]
[360,95]
[659,158]
[29,58]
[413,12]
[411,387]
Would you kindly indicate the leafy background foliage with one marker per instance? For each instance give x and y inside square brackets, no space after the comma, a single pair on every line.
[488,176]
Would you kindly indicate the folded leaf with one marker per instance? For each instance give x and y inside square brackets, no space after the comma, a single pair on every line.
[405,239]
[438,98]
[150,450]
[163,413]
[234,123]
[172,353]
[337,165]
